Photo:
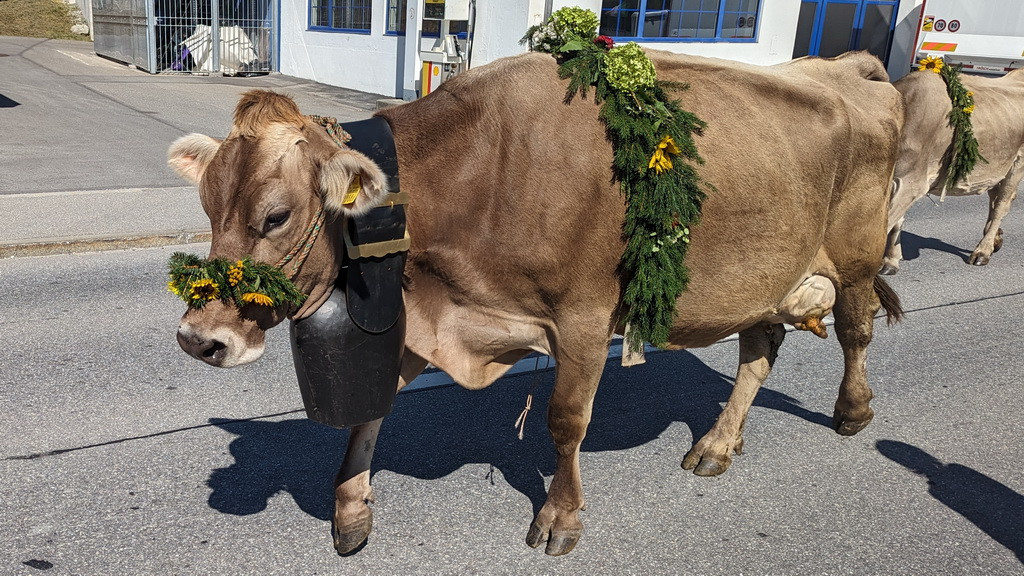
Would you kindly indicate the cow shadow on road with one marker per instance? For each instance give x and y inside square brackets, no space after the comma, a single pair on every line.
[432,433]
[913,244]
[989,504]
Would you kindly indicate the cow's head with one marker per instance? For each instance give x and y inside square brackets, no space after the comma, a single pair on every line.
[262,188]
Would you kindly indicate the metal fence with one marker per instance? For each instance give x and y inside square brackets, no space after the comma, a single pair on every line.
[188,36]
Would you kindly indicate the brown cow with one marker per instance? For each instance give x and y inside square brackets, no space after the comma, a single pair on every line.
[516,237]
[998,123]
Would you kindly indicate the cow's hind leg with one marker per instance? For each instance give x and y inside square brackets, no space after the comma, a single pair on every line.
[353,517]
[577,373]
[1000,199]
[856,305]
[712,454]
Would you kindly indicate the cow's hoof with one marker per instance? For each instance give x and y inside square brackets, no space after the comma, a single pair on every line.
[705,464]
[847,427]
[561,532]
[978,259]
[352,536]
[888,269]
[559,542]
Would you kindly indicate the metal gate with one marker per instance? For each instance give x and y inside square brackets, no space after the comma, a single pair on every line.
[188,36]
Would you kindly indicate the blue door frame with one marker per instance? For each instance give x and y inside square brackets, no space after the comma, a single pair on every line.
[858,23]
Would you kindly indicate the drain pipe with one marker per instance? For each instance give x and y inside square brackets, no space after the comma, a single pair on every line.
[469,34]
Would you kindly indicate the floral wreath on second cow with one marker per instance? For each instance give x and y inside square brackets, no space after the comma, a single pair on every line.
[648,130]
[964,153]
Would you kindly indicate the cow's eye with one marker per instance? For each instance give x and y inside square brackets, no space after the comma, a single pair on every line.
[275,219]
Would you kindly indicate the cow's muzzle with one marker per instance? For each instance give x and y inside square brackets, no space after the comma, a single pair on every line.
[221,347]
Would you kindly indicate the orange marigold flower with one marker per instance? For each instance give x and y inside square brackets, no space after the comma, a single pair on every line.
[257,298]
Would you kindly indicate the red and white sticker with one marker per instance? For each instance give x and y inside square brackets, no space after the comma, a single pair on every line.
[940,25]
[954,25]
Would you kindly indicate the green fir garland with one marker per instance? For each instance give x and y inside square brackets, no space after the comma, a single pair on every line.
[964,154]
[647,129]
[198,281]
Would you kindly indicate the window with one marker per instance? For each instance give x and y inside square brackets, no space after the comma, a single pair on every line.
[396,16]
[693,20]
[344,15]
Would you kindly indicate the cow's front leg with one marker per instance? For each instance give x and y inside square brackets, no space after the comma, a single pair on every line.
[712,454]
[1000,199]
[856,305]
[577,375]
[353,517]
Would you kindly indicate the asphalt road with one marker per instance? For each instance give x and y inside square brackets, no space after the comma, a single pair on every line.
[120,455]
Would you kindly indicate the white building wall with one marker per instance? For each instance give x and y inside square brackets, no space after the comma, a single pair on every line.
[365,62]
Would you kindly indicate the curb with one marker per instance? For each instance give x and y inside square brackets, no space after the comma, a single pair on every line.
[98,244]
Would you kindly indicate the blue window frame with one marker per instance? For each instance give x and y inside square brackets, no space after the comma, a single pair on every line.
[340,15]
[681,20]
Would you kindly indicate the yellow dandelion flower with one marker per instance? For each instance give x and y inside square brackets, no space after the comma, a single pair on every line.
[235,273]
[257,298]
[970,94]
[204,289]
[969,109]
[173,288]
[933,63]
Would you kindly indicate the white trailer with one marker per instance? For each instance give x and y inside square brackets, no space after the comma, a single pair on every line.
[984,36]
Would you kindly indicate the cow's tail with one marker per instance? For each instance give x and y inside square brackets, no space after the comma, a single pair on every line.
[890,301]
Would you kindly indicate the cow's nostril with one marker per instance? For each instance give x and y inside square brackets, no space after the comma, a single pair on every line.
[213,349]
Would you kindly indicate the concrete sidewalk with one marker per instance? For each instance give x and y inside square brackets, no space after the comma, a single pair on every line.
[83,145]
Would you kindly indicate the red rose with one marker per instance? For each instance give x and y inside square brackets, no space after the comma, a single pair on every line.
[604,41]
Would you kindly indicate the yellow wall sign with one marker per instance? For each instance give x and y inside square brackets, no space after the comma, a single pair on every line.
[928,23]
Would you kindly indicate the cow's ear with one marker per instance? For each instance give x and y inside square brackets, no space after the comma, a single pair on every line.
[352,183]
[190,155]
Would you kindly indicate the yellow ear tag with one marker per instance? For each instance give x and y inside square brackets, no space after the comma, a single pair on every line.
[353,191]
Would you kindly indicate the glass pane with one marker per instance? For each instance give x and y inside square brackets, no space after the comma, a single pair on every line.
[837,30]
[319,13]
[738,25]
[805,29]
[396,15]
[741,5]
[656,23]
[619,18]
[875,36]
[708,25]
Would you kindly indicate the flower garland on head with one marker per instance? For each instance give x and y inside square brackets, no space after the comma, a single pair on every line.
[650,134]
[198,281]
[964,153]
